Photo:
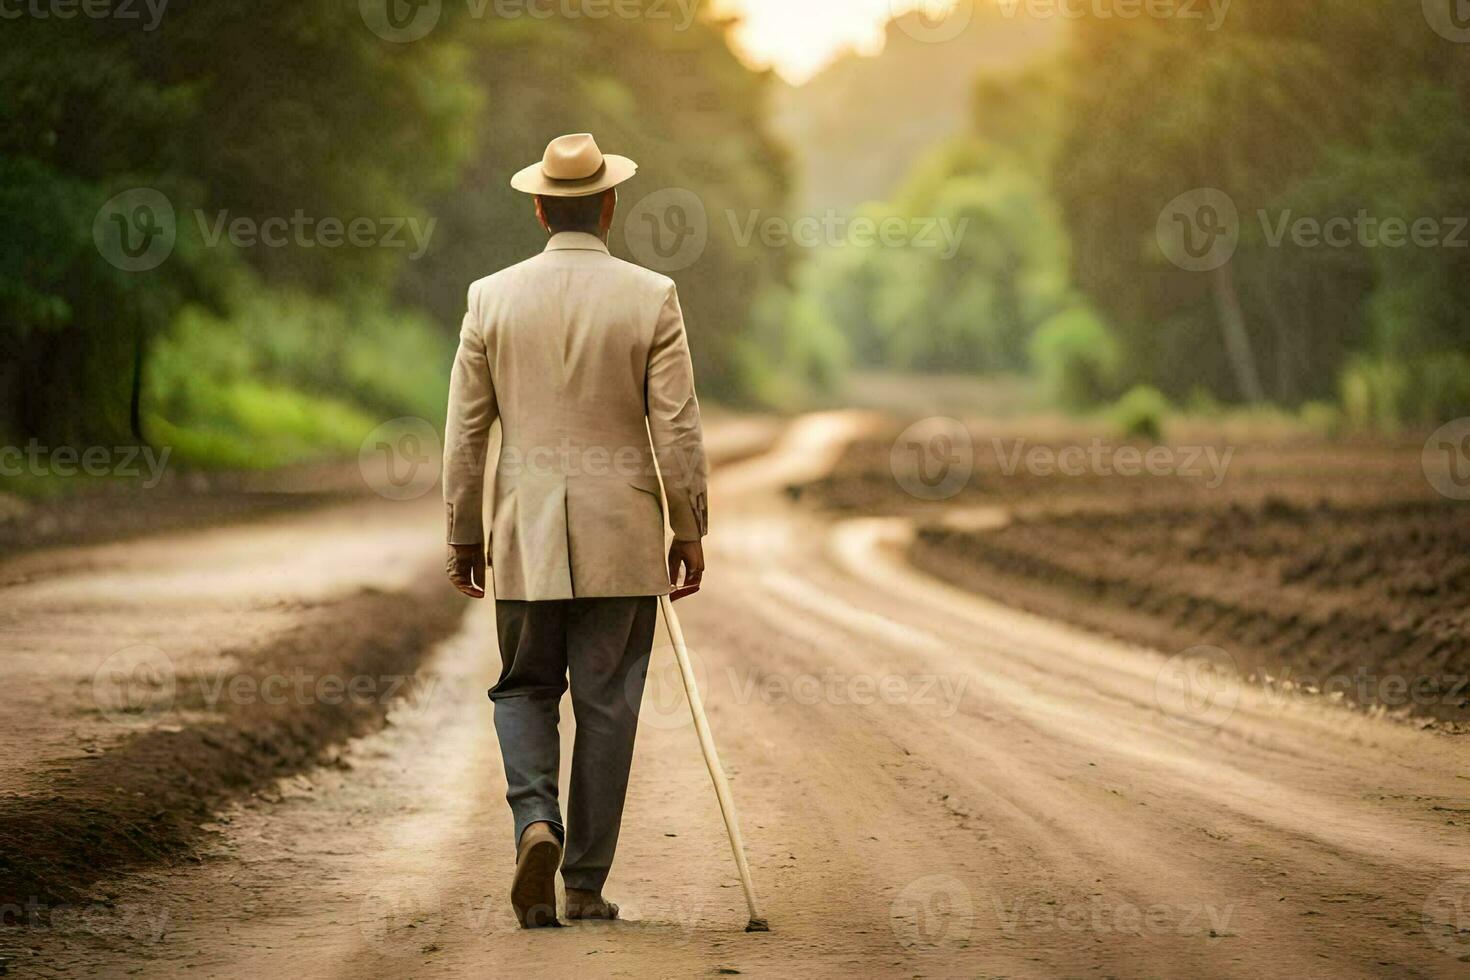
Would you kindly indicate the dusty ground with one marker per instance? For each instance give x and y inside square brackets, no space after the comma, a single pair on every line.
[151,680]
[92,512]
[156,677]
[931,785]
[1309,566]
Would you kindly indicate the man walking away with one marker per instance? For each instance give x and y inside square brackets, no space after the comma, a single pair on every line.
[583,359]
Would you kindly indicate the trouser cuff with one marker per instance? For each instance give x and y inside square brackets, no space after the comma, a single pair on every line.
[524,820]
[587,881]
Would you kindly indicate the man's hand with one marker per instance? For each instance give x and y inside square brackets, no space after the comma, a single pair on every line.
[690,554]
[466,569]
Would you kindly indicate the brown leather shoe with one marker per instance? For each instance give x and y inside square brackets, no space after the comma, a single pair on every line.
[533,893]
[589,905]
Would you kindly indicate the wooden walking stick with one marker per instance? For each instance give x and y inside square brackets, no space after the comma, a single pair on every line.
[712,761]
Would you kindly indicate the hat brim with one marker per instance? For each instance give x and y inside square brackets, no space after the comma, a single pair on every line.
[615,170]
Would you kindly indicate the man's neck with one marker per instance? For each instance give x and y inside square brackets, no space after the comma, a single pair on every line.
[600,235]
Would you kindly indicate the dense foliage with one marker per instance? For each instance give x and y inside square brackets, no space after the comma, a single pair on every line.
[1297,111]
[1317,109]
[239,352]
[1033,240]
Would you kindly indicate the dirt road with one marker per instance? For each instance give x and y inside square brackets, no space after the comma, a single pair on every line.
[931,785]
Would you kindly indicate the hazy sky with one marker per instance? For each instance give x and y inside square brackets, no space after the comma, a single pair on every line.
[799,37]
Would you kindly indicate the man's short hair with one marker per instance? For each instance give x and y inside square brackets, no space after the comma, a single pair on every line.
[573,213]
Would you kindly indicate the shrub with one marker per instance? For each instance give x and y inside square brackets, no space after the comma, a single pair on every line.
[285,376]
[1140,414]
[1076,358]
[1384,394]
[1322,418]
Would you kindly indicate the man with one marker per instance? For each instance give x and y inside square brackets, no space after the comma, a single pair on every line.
[583,359]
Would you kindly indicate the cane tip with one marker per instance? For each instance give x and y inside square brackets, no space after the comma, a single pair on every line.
[758,925]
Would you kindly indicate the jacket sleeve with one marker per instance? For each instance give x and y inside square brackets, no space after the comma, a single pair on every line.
[673,423]
[472,411]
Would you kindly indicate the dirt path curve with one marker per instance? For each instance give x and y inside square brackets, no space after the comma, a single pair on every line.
[931,785]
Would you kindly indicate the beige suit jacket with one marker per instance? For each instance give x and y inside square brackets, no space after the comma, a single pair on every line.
[583,360]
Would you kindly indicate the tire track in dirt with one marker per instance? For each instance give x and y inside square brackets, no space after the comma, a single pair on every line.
[1059,817]
[132,779]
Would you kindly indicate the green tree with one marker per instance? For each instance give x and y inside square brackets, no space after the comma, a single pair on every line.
[251,108]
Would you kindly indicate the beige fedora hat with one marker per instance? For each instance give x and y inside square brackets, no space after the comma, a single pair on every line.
[574,167]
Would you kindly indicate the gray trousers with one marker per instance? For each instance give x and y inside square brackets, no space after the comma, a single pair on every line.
[605,645]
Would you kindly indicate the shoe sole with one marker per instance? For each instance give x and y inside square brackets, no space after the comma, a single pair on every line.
[533,893]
